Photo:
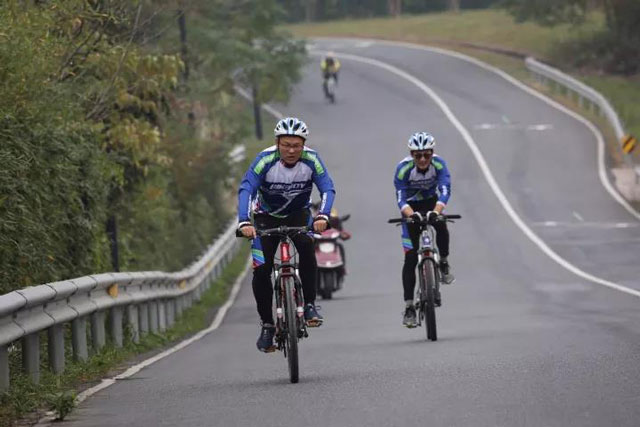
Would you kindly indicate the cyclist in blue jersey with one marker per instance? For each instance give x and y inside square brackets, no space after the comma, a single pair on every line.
[275,191]
[423,188]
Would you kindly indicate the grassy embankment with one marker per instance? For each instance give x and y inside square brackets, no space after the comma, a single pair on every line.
[496,29]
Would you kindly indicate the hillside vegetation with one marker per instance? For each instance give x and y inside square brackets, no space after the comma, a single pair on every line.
[497,29]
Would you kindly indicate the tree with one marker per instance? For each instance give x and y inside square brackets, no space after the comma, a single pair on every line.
[395,7]
[616,48]
[269,60]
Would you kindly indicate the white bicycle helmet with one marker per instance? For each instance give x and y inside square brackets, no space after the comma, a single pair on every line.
[291,126]
[422,141]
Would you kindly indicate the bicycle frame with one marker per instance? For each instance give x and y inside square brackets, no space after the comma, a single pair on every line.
[428,251]
[283,270]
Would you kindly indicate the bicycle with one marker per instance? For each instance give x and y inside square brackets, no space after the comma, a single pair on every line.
[428,293]
[290,324]
[329,86]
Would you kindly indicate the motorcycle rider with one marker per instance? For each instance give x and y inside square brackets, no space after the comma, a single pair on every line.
[423,188]
[277,191]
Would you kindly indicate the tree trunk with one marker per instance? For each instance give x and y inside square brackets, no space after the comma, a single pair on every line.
[454,5]
[395,7]
[257,114]
[112,234]
[310,10]
[182,24]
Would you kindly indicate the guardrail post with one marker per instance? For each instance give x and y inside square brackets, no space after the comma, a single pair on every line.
[153,317]
[98,330]
[132,322]
[116,326]
[162,316]
[143,316]
[31,356]
[79,339]
[56,348]
[179,304]
[170,308]
[4,367]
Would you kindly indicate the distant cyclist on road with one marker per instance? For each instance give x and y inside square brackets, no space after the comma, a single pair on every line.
[423,188]
[276,190]
[330,67]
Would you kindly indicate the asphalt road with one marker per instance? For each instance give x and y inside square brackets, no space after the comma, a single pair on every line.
[522,340]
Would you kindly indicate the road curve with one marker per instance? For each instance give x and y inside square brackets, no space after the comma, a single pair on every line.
[523,341]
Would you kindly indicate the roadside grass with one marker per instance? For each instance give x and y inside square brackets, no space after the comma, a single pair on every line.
[25,402]
[474,32]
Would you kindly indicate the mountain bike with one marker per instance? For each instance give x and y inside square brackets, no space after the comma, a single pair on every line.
[428,292]
[290,324]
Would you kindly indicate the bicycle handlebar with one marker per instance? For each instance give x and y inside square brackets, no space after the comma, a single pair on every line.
[278,231]
[409,220]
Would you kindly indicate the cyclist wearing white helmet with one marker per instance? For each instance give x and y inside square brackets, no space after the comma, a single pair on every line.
[423,187]
[276,191]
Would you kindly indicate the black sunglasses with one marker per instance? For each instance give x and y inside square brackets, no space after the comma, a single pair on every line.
[421,154]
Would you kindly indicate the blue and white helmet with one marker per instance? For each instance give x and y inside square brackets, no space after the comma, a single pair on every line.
[422,141]
[291,126]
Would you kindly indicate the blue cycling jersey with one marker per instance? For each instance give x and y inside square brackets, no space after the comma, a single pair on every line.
[271,187]
[414,186]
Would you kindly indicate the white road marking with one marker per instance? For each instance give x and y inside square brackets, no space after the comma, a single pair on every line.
[486,126]
[511,126]
[539,127]
[578,216]
[217,321]
[602,172]
[604,225]
[487,172]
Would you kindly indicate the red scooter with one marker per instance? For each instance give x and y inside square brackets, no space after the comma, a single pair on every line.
[331,258]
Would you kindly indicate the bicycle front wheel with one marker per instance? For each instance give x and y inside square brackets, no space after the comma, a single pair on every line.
[292,330]
[428,281]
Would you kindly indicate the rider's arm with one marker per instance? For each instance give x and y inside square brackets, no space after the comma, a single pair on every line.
[247,192]
[444,183]
[401,183]
[325,185]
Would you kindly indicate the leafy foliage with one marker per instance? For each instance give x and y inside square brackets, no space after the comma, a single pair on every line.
[615,48]
[98,120]
[321,10]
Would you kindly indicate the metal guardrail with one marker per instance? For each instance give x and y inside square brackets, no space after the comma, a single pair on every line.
[584,92]
[138,303]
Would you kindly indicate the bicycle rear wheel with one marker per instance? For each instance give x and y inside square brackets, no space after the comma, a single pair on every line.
[292,330]
[428,283]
